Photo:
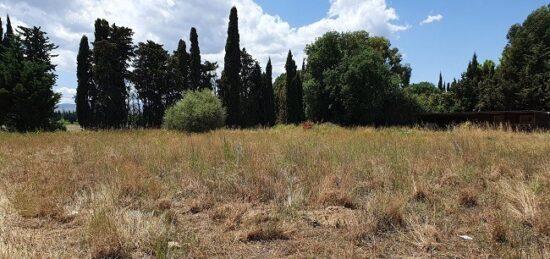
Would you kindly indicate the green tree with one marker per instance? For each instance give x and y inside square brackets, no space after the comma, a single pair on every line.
[294,92]
[440,84]
[355,79]
[249,90]
[279,91]
[268,99]
[9,32]
[491,97]
[150,78]
[1,31]
[113,49]
[208,75]
[525,64]
[195,61]
[34,100]
[85,83]
[467,89]
[230,87]
[427,96]
[179,73]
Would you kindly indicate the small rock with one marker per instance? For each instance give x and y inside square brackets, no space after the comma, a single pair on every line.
[466,237]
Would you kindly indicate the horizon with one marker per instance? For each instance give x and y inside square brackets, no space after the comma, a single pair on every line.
[433,37]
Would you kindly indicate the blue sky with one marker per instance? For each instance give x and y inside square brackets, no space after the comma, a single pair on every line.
[467,26]
[269,28]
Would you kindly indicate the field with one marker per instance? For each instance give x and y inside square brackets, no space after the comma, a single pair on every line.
[282,192]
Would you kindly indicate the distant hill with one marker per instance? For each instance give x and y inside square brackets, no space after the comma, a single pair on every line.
[68,107]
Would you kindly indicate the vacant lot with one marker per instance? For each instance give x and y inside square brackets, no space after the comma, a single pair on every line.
[325,192]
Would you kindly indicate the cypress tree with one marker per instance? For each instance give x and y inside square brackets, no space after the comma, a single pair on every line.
[9,31]
[299,99]
[1,30]
[268,96]
[230,82]
[83,73]
[195,61]
[291,94]
[440,85]
[179,73]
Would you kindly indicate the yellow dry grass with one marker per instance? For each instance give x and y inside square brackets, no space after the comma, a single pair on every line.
[282,192]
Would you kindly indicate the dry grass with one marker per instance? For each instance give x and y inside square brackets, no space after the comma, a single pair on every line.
[283,192]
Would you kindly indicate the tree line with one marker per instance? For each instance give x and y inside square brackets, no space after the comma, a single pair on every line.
[349,78]
[521,80]
[110,95]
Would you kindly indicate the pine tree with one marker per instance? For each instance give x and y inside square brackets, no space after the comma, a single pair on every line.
[230,82]
[34,100]
[440,84]
[195,61]
[83,73]
[268,96]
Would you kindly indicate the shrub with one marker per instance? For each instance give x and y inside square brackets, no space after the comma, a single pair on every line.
[197,112]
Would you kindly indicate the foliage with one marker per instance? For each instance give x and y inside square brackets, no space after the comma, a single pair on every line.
[355,79]
[294,92]
[230,87]
[150,78]
[525,64]
[268,98]
[112,52]
[27,77]
[196,112]
[427,96]
[178,69]
[195,61]
[85,84]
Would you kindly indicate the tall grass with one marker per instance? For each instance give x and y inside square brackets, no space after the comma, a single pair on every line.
[326,192]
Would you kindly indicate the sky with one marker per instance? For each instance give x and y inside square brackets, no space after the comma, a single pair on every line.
[433,35]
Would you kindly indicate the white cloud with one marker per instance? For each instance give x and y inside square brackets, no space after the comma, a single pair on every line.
[432,19]
[67,94]
[165,21]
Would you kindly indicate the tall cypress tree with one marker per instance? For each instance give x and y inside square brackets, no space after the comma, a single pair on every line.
[1,30]
[9,32]
[440,85]
[268,96]
[291,94]
[299,98]
[179,73]
[83,73]
[195,61]
[230,82]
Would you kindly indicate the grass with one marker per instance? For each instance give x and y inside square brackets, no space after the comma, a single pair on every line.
[282,192]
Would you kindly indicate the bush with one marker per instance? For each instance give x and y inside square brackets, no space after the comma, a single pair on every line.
[197,112]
